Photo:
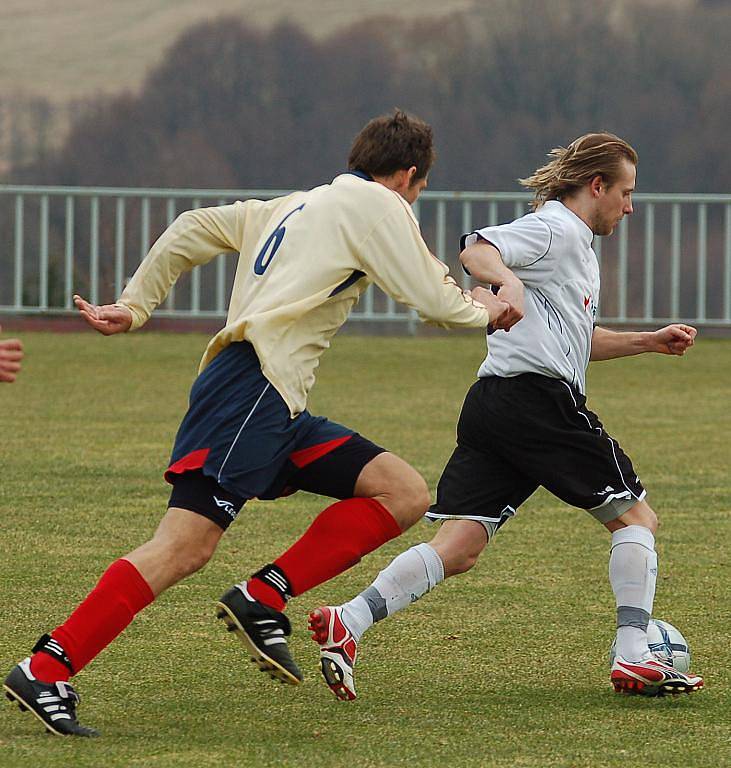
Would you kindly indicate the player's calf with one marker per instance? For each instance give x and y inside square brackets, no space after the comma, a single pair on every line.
[459,544]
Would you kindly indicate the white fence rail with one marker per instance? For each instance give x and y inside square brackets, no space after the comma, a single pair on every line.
[670,260]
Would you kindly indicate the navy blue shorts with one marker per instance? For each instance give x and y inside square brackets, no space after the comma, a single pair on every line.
[238,442]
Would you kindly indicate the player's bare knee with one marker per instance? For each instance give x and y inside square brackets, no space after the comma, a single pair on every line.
[406,498]
[420,496]
[397,485]
[411,500]
[643,514]
[640,514]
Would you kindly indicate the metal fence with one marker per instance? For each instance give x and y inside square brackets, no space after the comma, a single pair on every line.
[670,260]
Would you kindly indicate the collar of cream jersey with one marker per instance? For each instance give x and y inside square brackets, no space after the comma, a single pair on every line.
[361,175]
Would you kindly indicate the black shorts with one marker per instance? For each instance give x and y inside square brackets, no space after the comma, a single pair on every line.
[333,473]
[516,434]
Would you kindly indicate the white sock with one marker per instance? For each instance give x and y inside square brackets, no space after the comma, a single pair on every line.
[409,576]
[632,574]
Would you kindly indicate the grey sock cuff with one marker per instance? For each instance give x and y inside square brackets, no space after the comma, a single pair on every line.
[376,603]
[627,616]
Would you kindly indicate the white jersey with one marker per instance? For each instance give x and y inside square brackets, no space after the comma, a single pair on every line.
[304,261]
[550,251]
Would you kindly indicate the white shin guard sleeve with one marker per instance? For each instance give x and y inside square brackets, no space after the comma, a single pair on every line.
[409,576]
[632,574]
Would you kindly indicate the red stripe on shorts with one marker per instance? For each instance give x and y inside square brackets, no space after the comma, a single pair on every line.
[192,460]
[308,455]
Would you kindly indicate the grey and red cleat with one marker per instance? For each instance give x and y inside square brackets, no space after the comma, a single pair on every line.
[54,704]
[338,650]
[651,677]
[263,630]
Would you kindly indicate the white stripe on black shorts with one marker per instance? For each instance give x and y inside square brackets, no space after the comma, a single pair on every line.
[516,434]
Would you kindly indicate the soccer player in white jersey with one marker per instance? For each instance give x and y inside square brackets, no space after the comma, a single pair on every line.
[11,353]
[525,424]
[304,261]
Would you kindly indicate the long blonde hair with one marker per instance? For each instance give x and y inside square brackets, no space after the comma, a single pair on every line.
[593,154]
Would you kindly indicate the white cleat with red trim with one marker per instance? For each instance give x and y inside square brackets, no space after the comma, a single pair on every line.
[338,649]
[651,677]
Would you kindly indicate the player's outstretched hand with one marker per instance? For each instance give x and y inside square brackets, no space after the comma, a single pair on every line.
[673,339]
[107,318]
[11,353]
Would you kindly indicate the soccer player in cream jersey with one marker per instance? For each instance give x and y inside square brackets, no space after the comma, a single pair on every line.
[304,261]
[525,423]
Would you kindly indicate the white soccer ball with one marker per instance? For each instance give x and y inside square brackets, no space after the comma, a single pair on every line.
[666,642]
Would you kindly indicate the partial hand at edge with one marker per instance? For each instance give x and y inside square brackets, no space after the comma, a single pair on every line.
[108,319]
[11,353]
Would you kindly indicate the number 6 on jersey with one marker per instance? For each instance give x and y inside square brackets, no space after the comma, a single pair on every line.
[271,246]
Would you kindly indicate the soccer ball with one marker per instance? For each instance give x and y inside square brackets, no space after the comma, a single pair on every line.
[666,643]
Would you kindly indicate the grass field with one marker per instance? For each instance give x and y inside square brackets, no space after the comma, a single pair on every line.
[505,666]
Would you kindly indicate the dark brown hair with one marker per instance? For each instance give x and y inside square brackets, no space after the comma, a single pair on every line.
[593,154]
[391,143]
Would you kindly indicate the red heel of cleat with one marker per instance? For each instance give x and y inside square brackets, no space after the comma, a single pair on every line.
[338,650]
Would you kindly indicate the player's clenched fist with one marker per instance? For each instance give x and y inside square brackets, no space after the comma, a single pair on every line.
[498,310]
[107,318]
[11,353]
[674,339]
[512,293]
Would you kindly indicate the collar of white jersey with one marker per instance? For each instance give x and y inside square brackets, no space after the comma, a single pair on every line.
[584,230]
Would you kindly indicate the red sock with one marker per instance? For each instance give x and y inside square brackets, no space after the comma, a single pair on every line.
[48,669]
[337,539]
[265,594]
[121,593]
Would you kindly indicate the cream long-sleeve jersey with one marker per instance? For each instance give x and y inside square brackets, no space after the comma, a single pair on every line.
[304,261]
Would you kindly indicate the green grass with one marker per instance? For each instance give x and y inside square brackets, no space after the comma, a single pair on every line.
[504,666]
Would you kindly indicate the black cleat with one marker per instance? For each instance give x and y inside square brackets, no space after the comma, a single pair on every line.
[54,704]
[263,630]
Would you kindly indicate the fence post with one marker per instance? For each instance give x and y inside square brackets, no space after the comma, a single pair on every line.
[18,251]
[69,253]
